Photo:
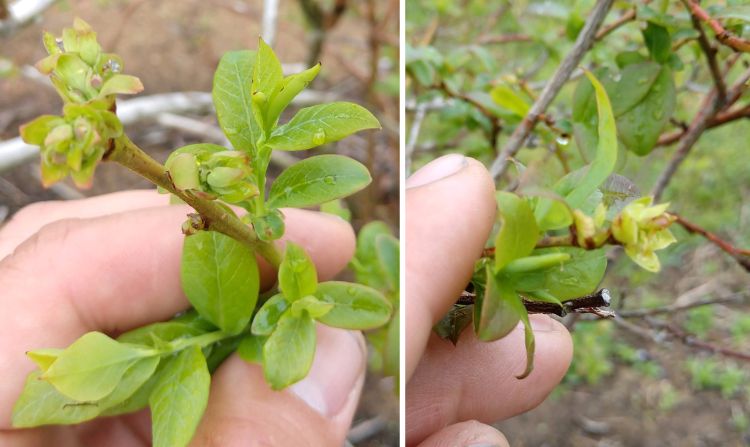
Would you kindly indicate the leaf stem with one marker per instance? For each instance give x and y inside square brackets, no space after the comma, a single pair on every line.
[215,216]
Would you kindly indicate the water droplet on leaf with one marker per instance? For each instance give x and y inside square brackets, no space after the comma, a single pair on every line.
[319,137]
[114,66]
[563,140]
[329,179]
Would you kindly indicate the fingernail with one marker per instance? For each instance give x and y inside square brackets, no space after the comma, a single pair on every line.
[438,169]
[338,365]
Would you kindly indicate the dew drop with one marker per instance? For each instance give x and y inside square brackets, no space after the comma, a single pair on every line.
[329,179]
[563,140]
[642,81]
[59,43]
[288,190]
[351,291]
[616,77]
[114,66]
[319,137]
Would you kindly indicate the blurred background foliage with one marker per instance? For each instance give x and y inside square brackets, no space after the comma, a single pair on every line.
[473,69]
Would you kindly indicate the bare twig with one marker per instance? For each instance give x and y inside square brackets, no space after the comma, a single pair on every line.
[691,340]
[721,118]
[571,61]
[416,125]
[710,53]
[21,13]
[742,256]
[722,35]
[625,18]
[270,15]
[707,111]
[590,304]
[675,307]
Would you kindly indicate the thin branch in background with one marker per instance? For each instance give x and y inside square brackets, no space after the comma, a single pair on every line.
[690,340]
[416,125]
[710,53]
[583,43]
[4,11]
[320,21]
[22,13]
[734,298]
[496,125]
[706,112]
[270,16]
[742,256]
[722,35]
[720,119]
[622,20]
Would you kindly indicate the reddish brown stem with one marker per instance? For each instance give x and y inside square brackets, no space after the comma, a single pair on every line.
[722,35]
[742,256]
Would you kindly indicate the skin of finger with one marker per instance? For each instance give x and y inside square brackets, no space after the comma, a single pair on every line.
[112,274]
[30,219]
[466,434]
[447,225]
[477,379]
[244,411]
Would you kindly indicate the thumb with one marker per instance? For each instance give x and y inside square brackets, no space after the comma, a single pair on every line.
[243,409]
[450,210]
[466,434]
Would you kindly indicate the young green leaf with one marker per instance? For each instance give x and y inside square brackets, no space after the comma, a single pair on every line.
[251,348]
[92,366]
[387,250]
[518,231]
[268,315]
[658,42]
[495,313]
[528,332]
[366,263]
[44,357]
[297,274]
[355,306]
[391,349]
[180,398]
[166,331]
[454,322]
[289,351]
[318,179]
[606,153]
[267,75]
[311,306]
[290,87]
[507,98]
[42,404]
[232,95]
[576,277]
[220,278]
[321,124]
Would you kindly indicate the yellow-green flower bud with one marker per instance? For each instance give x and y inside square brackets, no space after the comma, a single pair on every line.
[642,229]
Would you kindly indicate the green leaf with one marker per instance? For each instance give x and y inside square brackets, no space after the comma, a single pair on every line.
[41,404]
[180,398]
[495,313]
[220,278]
[337,208]
[267,73]
[368,268]
[268,315]
[251,348]
[391,349]
[506,97]
[121,84]
[528,338]
[454,322]
[642,125]
[92,366]
[606,153]
[518,230]
[311,306]
[318,179]
[289,351]
[288,89]
[578,276]
[658,42]
[355,306]
[321,124]
[44,358]
[297,274]
[387,250]
[233,100]
[152,334]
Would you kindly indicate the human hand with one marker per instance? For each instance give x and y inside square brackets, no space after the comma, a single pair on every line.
[111,263]
[450,211]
